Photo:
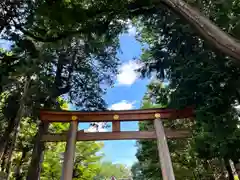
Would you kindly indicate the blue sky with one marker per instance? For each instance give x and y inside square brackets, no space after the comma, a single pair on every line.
[126,94]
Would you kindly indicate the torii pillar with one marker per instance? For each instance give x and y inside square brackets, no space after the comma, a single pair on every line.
[163,151]
[69,154]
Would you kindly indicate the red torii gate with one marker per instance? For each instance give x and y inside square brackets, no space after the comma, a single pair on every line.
[73,135]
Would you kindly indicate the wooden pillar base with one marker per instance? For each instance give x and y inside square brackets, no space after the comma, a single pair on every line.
[68,163]
[164,155]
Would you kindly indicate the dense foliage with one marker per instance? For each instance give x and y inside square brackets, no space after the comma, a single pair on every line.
[197,77]
[108,170]
[209,85]
[37,71]
[186,162]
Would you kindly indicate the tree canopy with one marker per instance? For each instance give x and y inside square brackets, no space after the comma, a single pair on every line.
[186,161]
[108,170]
[197,76]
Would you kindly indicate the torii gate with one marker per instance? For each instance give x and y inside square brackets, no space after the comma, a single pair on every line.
[73,135]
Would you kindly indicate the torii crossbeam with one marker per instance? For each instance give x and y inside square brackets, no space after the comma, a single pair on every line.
[73,135]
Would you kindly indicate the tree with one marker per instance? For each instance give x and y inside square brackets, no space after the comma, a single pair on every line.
[137,172]
[79,72]
[87,158]
[22,151]
[215,35]
[108,169]
[199,77]
[203,25]
[186,163]
[86,163]
[100,14]
[75,64]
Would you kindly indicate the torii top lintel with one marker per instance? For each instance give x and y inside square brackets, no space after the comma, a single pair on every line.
[109,116]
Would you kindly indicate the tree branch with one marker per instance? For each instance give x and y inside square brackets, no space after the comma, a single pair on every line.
[60,36]
[214,35]
[135,8]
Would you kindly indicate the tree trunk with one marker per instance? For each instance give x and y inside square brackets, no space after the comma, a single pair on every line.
[229,170]
[237,165]
[18,175]
[222,169]
[37,154]
[219,39]
[207,167]
[17,120]
[6,137]
[5,157]
[9,161]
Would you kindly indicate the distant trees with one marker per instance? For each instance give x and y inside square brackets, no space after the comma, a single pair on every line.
[108,169]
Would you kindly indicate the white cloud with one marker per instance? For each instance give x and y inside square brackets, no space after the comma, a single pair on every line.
[122,105]
[132,30]
[128,74]
[99,127]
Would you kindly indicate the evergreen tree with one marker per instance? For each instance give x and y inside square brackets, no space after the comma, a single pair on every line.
[186,163]
[197,76]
